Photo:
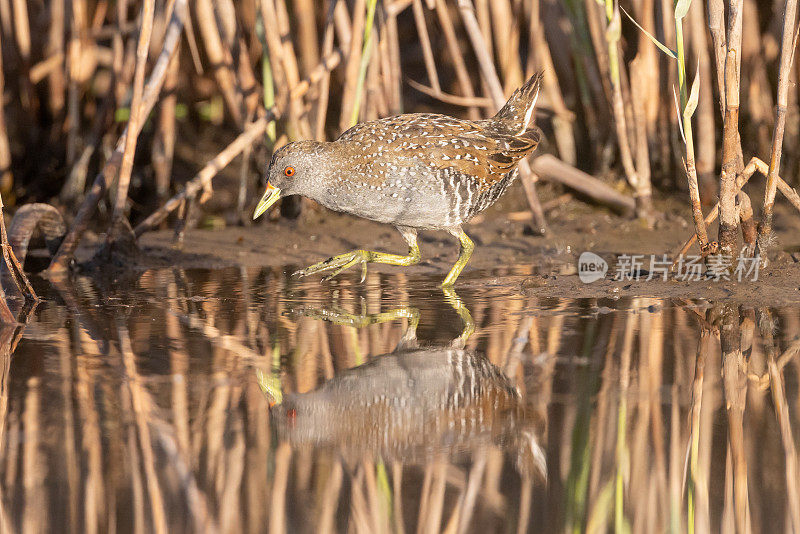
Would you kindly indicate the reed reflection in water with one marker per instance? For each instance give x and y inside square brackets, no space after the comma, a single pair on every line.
[141,410]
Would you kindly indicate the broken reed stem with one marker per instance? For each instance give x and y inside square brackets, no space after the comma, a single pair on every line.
[788,43]
[101,183]
[148,11]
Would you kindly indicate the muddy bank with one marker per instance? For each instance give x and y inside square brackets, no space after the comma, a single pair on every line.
[508,252]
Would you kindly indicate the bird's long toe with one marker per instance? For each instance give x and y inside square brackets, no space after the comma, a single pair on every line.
[338,264]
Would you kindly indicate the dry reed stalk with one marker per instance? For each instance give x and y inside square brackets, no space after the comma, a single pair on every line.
[75,73]
[6,175]
[467,505]
[324,85]
[425,43]
[747,223]
[551,168]
[640,183]
[777,388]
[612,35]
[6,317]
[716,26]
[55,48]
[342,24]
[467,10]
[33,470]
[330,498]
[22,33]
[639,96]
[117,49]
[454,100]
[12,264]
[483,14]
[759,103]
[141,407]
[788,44]
[562,122]
[706,129]
[164,139]
[248,85]
[506,44]
[456,57]
[136,115]
[304,13]
[731,141]
[395,61]
[290,68]
[352,65]
[220,59]
[735,389]
[73,187]
[103,180]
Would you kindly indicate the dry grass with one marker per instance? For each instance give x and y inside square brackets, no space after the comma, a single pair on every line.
[84,75]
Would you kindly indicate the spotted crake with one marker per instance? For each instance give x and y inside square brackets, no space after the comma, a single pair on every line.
[415,171]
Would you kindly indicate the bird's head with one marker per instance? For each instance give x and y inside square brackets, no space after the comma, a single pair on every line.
[295,169]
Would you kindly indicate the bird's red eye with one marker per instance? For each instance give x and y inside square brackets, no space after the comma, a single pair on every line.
[289,171]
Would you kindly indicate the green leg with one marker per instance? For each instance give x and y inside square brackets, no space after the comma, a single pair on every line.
[466,317]
[345,318]
[348,259]
[467,246]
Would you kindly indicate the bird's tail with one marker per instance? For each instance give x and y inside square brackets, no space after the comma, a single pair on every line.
[516,115]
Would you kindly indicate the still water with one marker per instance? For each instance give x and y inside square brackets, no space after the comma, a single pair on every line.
[240,400]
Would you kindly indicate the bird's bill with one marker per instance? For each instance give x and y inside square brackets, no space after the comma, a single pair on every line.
[271,196]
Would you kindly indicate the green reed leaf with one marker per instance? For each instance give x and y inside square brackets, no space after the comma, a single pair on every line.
[664,48]
[694,96]
[682,8]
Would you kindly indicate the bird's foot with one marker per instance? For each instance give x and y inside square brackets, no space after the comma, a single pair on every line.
[338,264]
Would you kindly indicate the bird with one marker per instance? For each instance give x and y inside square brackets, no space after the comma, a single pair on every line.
[416,171]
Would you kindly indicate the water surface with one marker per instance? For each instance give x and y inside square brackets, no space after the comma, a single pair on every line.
[240,400]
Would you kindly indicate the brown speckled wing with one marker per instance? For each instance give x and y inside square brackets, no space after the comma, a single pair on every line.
[470,148]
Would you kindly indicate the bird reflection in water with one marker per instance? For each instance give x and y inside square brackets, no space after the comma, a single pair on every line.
[414,403]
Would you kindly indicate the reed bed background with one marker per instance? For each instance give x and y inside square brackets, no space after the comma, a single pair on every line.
[200,84]
[648,414]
